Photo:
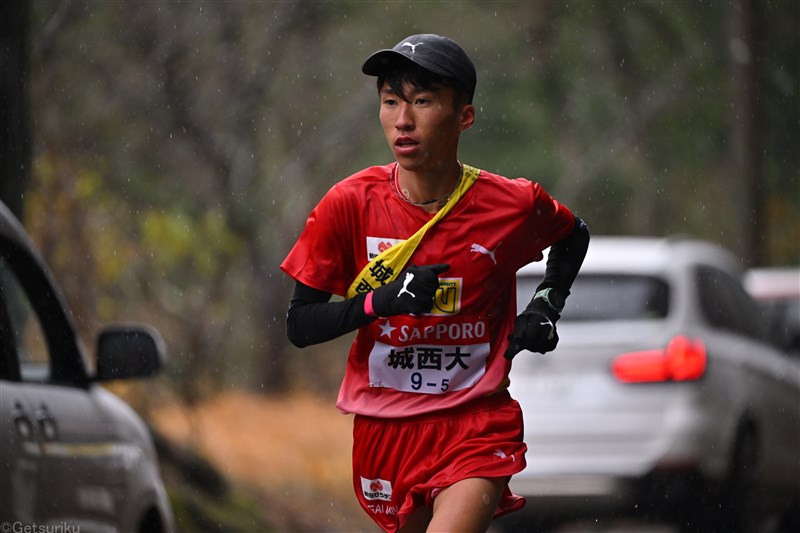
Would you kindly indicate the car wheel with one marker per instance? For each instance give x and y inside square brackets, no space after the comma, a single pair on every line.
[741,509]
[151,522]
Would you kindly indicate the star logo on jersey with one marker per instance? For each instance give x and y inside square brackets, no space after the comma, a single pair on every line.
[386,329]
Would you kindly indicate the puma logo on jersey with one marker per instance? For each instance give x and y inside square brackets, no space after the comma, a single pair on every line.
[477,248]
[502,455]
[413,46]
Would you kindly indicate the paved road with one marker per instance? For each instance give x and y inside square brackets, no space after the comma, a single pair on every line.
[511,524]
[614,527]
[588,526]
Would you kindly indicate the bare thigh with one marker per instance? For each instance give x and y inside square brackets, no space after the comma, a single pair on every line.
[467,506]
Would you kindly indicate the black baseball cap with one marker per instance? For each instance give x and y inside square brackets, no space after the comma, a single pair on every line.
[435,53]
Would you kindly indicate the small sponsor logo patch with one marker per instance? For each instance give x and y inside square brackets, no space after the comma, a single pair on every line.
[448,298]
[376,489]
[376,245]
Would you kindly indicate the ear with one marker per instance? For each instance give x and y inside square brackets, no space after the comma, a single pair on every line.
[467,117]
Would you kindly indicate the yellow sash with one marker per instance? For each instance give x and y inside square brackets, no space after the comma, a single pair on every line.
[387,265]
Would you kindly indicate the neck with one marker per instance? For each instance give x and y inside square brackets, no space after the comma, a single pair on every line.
[429,190]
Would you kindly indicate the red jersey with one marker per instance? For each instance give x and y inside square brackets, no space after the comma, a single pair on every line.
[407,365]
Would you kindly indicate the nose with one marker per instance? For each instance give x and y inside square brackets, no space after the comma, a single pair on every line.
[404,120]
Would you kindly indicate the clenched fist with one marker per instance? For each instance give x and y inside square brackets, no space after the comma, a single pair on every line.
[411,293]
[534,329]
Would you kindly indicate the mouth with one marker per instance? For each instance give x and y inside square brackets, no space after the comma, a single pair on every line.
[405,145]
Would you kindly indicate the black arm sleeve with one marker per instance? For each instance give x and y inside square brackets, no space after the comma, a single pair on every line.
[565,260]
[313,318]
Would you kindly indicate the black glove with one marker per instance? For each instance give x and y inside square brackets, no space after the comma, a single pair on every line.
[411,293]
[534,329]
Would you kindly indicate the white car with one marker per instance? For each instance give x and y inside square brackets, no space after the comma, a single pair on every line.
[777,292]
[665,397]
[73,457]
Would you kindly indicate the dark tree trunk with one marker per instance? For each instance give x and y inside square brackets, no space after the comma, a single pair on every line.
[748,147]
[15,143]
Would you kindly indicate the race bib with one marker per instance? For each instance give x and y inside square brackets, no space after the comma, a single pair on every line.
[427,369]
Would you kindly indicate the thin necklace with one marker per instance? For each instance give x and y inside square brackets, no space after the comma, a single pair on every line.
[404,195]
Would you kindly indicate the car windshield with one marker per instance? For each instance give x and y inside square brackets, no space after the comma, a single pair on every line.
[608,297]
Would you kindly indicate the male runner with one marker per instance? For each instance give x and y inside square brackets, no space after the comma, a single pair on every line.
[425,251]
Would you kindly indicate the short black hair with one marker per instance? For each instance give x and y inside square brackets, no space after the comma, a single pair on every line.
[406,73]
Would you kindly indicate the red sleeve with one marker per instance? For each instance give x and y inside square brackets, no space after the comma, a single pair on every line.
[323,257]
[555,219]
[549,220]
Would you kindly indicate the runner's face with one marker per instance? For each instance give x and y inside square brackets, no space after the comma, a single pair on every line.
[423,132]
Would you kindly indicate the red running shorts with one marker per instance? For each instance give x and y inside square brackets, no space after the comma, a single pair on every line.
[400,464]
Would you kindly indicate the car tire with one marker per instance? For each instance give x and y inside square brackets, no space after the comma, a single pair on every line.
[151,522]
[741,510]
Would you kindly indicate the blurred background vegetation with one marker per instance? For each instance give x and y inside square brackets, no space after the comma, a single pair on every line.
[164,155]
[175,148]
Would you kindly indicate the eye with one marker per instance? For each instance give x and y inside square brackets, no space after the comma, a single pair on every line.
[389,102]
[422,100]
